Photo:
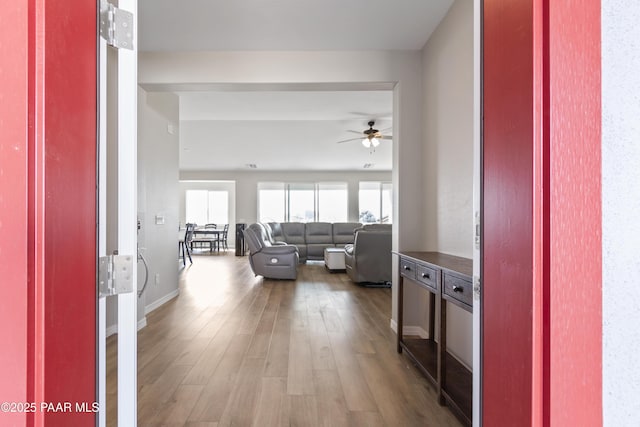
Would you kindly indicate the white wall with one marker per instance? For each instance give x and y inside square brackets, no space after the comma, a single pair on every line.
[366,70]
[246,206]
[448,132]
[620,208]
[158,193]
[447,195]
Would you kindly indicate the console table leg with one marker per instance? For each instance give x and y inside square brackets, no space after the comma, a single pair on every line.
[442,351]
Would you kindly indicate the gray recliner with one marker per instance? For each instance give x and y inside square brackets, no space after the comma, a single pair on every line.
[273,262]
[368,260]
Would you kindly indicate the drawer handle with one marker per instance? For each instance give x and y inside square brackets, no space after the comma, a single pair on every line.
[407,268]
[458,289]
[425,276]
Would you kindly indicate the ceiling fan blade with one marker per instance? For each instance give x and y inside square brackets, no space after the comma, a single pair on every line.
[348,140]
[370,116]
[384,137]
[359,132]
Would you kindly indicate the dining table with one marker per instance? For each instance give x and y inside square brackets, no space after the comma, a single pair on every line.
[207,233]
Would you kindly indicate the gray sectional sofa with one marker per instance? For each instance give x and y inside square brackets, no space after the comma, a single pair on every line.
[276,248]
[312,238]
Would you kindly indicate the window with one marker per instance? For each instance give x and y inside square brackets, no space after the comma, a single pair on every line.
[333,201]
[375,202]
[302,206]
[386,201]
[302,202]
[206,207]
[218,207]
[271,202]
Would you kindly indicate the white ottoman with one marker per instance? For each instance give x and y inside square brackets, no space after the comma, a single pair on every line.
[334,258]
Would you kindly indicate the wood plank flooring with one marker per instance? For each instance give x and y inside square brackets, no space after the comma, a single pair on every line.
[239,350]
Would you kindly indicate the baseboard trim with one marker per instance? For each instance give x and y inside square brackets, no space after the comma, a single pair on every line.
[409,330]
[416,331]
[142,322]
[160,302]
[394,326]
[111,330]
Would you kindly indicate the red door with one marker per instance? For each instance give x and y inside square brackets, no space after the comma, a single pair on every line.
[541,262]
[47,211]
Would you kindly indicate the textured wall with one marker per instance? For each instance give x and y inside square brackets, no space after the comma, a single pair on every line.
[572,314]
[448,133]
[447,160]
[620,209]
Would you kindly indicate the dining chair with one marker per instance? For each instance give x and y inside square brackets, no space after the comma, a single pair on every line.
[184,244]
[224,238]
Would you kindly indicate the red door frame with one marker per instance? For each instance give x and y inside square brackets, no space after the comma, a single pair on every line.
[48,210]
[13,208]
[541,258]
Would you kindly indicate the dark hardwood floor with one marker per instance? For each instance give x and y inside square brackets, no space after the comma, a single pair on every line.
[239,350]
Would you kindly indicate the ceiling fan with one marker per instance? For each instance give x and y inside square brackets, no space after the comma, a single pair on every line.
[370,137]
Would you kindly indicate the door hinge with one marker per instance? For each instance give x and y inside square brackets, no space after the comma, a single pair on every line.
[115,275]
[116,26]
[476,287]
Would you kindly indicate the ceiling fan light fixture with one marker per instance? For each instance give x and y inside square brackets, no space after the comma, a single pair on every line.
[371,137]
[370,141]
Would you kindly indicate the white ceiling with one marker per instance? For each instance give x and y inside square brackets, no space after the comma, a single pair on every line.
[284,130]
[174,25]
[285,105]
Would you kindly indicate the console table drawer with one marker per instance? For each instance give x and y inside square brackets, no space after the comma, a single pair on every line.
[458,289]
[408,268]
[426,276]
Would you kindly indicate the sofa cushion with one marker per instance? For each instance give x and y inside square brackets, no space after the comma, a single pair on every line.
[293,233]
[343,232]
[319,232]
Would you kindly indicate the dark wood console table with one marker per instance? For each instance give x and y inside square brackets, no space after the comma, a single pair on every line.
[448,279]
